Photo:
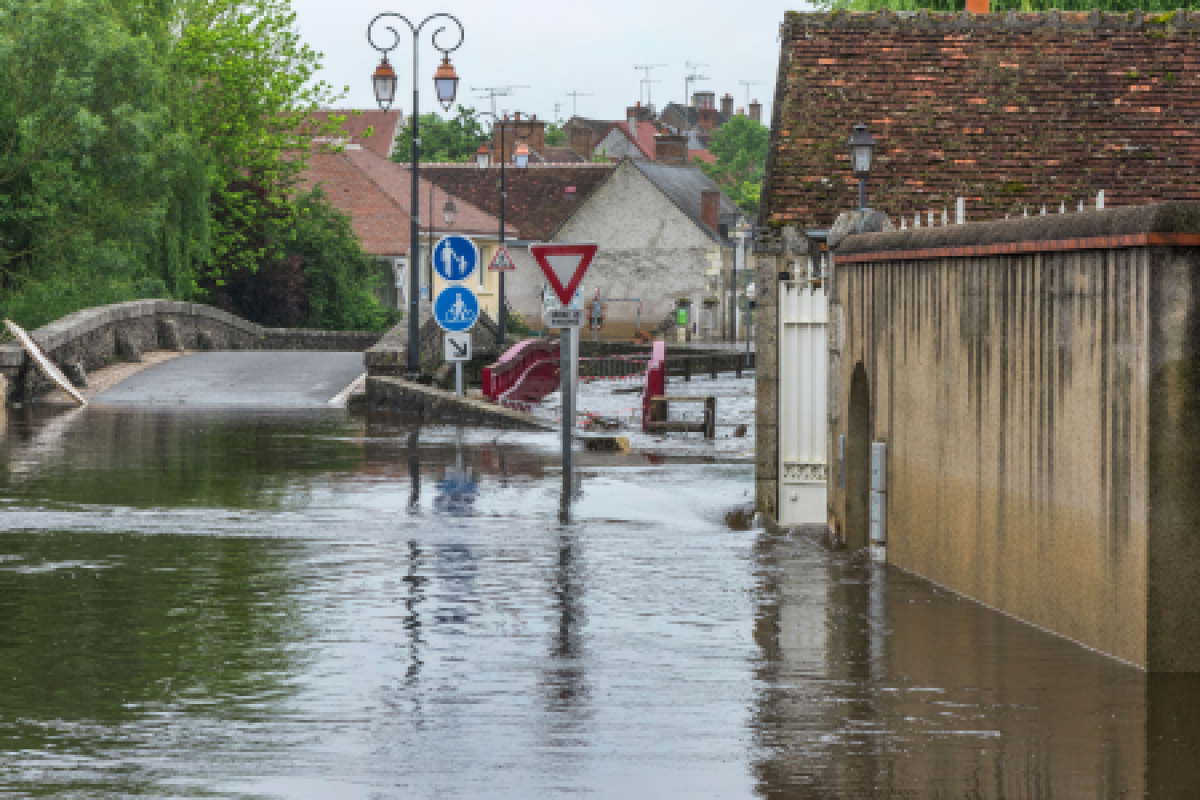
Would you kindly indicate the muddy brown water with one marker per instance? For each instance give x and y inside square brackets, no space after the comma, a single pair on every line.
[315,605]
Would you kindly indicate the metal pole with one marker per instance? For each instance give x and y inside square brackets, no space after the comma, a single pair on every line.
[414,277]
[862,193]
[458,378]
[733,333]
[502,315]
[566,371]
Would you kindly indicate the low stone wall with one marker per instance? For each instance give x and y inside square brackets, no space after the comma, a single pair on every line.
[435,405]
[96,337]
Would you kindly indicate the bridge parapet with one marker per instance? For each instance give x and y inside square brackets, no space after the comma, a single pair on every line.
[97,337]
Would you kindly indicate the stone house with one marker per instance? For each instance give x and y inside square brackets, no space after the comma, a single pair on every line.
[660,231]
[1014,113]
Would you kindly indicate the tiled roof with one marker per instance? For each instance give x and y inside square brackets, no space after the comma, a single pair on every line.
[692,114]
[538,200]
[380,225]
[396,180]
[683,184]
[560,155]
[703,155]
[1010,111]
[384,124]
[375,193]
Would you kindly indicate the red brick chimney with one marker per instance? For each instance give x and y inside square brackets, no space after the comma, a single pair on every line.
[708,118]
[710,208]
[581,141]
[756,111]
[671,148]
[632,115]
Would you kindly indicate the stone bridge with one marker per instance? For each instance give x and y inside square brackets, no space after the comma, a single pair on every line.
[92,339]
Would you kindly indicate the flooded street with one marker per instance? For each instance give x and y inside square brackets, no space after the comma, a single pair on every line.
[314,605]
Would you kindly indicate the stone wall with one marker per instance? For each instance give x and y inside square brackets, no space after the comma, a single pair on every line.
[96,337]
[1036,382]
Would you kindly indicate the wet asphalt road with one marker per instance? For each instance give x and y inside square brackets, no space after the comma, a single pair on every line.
[260,378]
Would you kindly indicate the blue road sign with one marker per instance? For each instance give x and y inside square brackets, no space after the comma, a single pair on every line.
[456,308]
[455,258]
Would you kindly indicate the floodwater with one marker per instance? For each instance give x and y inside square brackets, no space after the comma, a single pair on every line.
[313,605]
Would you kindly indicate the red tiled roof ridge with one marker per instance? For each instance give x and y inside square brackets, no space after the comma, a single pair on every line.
[1011,20]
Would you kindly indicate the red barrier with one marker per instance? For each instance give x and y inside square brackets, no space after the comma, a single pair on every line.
[523,361]
[656,381]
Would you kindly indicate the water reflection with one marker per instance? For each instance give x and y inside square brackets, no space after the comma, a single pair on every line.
[873,683]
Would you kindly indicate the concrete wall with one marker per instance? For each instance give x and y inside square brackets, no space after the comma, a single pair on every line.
[1035,381]
[94,337]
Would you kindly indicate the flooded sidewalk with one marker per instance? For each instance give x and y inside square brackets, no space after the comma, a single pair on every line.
[314,604]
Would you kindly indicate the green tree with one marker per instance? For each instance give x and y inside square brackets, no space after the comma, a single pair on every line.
[555,135]
[740,147]
[252,90]
[453,140]
[91,161]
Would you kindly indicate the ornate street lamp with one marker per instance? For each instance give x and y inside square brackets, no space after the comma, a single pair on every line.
[861,145]
[445,80]
[446,86]
[522,129]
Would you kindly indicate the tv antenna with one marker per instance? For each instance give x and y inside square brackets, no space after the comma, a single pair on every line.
[574,100]
[492,92]
[646,80]
[748,84]
[693,75]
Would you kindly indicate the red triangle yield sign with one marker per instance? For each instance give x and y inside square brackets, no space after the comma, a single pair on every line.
[564,266]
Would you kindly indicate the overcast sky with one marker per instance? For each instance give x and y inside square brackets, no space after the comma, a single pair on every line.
[559,47]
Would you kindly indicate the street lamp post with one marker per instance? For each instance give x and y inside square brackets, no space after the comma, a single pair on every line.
[861,145]
[445,83]
[521,159]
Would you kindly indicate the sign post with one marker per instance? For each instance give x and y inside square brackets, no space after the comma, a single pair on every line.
[564,266]
[456,307]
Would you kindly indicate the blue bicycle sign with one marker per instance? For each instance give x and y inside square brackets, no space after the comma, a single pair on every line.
[456,308]
[455,258]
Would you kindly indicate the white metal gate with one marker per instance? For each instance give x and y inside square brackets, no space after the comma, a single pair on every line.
[803,393]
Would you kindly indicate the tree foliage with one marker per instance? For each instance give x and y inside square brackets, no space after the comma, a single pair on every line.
[151,148]
[740,146]
[453,140]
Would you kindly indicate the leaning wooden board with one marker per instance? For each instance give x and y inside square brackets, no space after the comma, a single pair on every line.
[44,365]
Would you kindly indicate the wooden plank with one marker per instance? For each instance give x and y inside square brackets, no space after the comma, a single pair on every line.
[680,398]
[44,364]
